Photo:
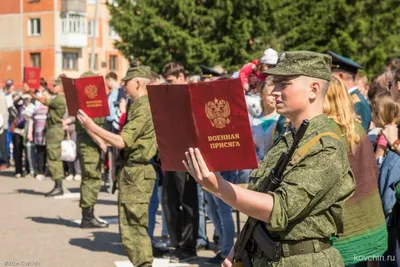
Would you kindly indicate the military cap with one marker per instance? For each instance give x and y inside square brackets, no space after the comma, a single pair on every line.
[88,74]
[305,63]
[57,81]
[138,72]
[344,63]
[207,72]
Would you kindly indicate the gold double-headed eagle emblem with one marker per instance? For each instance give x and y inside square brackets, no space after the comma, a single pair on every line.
[218,112]
[91,91]
[31,75]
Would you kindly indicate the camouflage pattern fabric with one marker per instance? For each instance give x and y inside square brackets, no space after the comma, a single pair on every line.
[136,181]
[55,135]
[309,202]
[305,63]
[89,155]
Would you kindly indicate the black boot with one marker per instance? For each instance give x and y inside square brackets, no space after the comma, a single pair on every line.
[89,221]
[57,190]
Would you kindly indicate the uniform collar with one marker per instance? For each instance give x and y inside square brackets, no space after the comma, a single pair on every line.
[140,101]
[351,90]
[317,123]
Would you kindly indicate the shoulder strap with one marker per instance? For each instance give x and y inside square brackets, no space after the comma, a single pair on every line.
[301,152]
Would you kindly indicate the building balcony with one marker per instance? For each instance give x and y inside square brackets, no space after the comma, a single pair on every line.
[73,31]
[73,6]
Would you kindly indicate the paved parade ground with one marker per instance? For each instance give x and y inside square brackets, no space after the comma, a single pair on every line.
[37,231]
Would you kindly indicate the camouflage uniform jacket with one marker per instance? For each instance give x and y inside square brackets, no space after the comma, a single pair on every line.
[57,107]
[140,145]
[309,202]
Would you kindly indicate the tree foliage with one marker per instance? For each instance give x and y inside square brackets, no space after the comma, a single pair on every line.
[233,32]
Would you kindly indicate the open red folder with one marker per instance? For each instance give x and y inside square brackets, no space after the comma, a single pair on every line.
[32,77]
[88,94]
[211,116]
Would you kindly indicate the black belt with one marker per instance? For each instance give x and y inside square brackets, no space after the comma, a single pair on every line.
[292,248]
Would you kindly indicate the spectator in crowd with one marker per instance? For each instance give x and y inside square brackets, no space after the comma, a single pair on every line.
[18,127]
[346,70]
[113,101]
[12,113]
[263,125]
[180,198]
[392,64]
[386,115]
[258,67]
[362,83]
[368,239]
[4,161]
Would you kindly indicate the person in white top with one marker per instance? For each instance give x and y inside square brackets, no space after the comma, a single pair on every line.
[264,124]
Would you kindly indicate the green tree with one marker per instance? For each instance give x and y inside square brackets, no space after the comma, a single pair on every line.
[233,32]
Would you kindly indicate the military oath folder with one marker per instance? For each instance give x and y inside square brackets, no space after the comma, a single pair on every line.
[211,116]
[32,77]
[88,94]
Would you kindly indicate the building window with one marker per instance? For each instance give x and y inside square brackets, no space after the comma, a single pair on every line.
[93,28]
[113,33]
[70,61]
[91,2]
[114,63]
[73,23]
[96,66]
[36,60]
[34,27]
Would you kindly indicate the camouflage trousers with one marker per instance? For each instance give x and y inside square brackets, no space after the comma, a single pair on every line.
[90,160]
[54,137]
[135,190]
[325,258]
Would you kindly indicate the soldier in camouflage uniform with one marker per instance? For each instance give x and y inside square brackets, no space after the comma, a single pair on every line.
[137,176]
[54,133]
[307,208]
[89,154]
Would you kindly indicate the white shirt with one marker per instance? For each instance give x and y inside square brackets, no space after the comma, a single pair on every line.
[351,90]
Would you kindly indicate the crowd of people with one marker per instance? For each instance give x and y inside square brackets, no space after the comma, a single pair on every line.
[363,113]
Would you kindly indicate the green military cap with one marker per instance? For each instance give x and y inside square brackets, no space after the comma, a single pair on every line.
[138,72]
[57,81]
[88,74]
[305,63]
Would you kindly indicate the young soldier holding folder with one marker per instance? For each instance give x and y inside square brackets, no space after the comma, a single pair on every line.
[89,154]
[306,209]
[54,133]
[137,176]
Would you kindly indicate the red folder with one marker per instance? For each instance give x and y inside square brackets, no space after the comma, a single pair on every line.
[211,116]
[88,94]
[32,77]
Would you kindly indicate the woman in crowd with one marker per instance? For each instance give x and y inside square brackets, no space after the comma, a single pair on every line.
[387,112]
[360,241]
[264,124]
[18,132]
[39,125]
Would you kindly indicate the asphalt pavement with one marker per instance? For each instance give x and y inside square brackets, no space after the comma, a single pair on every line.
[39,231]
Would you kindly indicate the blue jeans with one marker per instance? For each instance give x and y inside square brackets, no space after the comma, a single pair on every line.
[202,238]
[153,207]
[164,229]
[221,215]
[9,139]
